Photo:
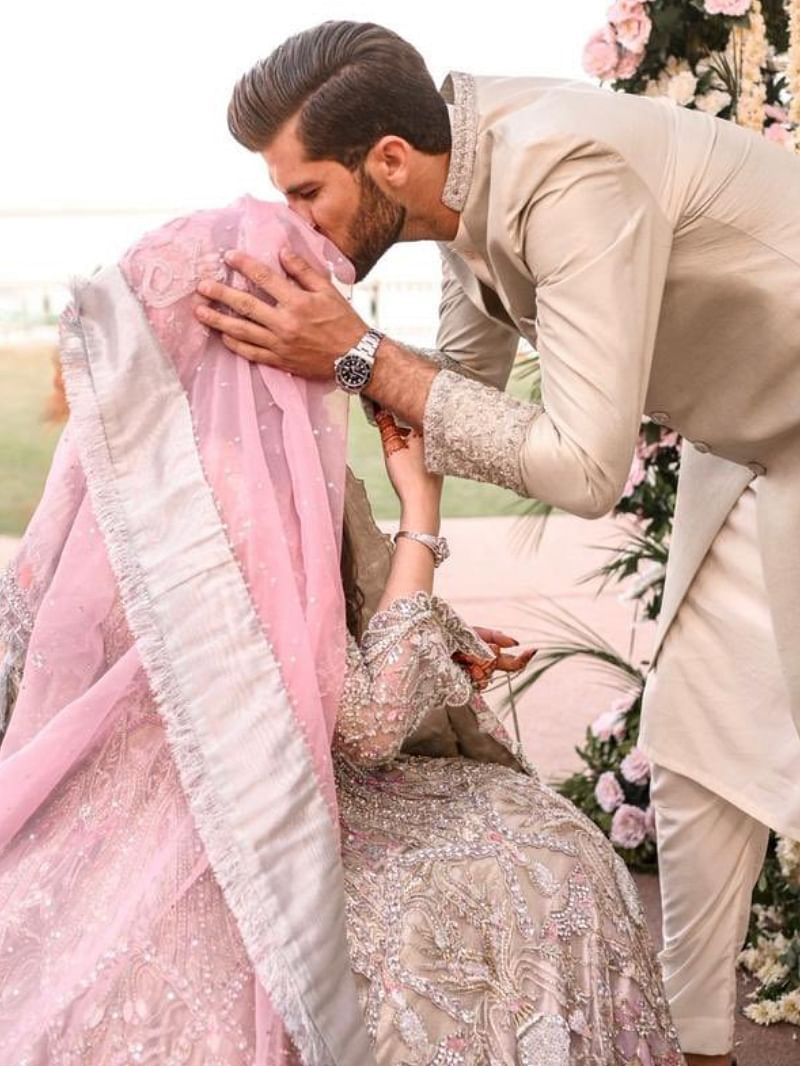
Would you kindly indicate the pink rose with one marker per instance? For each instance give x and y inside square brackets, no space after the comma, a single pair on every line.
[779,134]
[780,114]
[727,7]
[610,723]
[629,64]
[628,827]
[632,24]
[650,822]
[635,767]
[637,475]
[601,54]
[608,792]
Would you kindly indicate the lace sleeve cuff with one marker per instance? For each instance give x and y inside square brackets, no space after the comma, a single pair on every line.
[403,669]
[475,431]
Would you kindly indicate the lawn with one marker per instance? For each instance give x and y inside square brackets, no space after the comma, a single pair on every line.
[27,442]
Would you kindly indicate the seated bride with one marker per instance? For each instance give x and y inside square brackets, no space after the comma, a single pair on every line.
[254,808]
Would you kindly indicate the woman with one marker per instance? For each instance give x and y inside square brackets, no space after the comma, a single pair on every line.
[187,874]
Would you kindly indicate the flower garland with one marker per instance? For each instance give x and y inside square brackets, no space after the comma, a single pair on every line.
[715,56]
[748,46]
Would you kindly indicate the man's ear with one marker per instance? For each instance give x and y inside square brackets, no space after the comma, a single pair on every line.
[388,162]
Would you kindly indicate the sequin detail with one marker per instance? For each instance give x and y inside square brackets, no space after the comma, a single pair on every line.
[475,431]
[544,1041]
[403,669]
[459,90]
[487,919]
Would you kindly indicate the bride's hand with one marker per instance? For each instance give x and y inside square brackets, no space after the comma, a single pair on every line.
[418,490]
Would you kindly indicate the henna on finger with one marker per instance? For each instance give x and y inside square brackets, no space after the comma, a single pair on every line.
[392,439]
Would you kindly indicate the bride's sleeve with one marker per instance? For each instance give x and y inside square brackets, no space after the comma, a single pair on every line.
[402,669]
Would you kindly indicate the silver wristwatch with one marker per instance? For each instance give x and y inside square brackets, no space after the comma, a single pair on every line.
[353,370]
[437,545]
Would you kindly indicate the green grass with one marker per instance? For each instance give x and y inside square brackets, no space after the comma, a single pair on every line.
[27,442]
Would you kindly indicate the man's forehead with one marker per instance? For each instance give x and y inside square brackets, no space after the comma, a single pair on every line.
[285,156]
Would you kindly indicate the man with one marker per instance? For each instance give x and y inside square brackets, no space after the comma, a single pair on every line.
[652,257]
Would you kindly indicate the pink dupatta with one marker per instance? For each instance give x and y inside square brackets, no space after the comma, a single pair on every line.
[170,880]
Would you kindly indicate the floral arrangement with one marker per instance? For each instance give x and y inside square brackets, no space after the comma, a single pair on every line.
[772,954]
[614,788]
[739,59]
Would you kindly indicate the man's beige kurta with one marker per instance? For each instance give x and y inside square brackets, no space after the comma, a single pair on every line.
[651,255]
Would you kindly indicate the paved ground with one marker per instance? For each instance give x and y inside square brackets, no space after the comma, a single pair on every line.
[495,578]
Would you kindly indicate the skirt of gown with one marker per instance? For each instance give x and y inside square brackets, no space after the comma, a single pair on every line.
[491,923]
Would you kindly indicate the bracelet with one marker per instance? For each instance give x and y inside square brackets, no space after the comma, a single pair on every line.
[438,546]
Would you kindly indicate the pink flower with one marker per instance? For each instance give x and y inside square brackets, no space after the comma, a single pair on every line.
[727,7]
[628,64]
[637,475]
[779,134]
[601,54]
[635,767]
[612,723]
[628,826]
[608,792]
[632,24]
[650,822]
[780,114]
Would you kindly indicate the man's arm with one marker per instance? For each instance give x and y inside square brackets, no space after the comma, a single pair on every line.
[598,247]
[468,342]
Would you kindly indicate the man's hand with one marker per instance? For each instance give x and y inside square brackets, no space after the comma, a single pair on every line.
[307,327]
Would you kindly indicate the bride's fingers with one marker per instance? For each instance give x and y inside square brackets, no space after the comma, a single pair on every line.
[509,664]
[391,437]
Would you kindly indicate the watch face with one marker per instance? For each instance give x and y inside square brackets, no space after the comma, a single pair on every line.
[353,372]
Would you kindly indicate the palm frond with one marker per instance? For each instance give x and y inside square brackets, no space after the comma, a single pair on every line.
[565,637]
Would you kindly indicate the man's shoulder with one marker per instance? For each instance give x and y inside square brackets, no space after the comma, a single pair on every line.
[532,109]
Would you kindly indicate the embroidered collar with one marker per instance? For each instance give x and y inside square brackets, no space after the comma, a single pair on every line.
[458,90]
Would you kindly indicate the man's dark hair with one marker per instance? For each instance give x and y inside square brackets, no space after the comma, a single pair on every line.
[351,84]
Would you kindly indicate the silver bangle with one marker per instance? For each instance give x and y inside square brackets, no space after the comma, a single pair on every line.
[438,546]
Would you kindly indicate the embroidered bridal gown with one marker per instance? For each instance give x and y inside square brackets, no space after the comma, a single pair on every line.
[489,921]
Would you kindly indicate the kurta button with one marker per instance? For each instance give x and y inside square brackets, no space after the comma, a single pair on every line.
[701,446]
[660,417]
[757,468]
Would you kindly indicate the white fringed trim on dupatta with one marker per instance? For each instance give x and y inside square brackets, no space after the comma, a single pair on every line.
[244,765]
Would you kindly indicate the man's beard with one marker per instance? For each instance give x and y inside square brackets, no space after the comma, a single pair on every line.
[375,228]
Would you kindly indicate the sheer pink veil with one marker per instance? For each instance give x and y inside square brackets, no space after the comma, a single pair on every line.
[174,625]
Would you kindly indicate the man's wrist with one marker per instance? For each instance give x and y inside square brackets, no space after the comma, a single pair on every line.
[400,381]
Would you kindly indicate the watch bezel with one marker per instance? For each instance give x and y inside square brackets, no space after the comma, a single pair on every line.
[343,365]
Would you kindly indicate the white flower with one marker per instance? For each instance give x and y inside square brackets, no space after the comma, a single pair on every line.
[788,853]
[681,87]
[712,102]
[655,87]
[758,1013]
[772,973]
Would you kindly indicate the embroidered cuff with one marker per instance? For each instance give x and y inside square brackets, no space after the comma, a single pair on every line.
[475,431]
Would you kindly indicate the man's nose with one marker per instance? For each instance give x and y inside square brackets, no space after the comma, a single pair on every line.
[304,211]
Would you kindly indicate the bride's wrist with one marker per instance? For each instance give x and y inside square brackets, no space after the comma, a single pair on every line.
[420,519]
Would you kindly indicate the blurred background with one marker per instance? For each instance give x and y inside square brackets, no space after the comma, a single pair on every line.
[113,122]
